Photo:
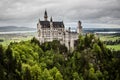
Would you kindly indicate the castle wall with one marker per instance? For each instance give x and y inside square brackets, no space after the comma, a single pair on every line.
[47,32]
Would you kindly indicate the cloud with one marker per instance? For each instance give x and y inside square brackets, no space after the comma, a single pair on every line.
[27,12]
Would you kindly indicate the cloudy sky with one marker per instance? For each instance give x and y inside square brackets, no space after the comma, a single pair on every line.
[93,13]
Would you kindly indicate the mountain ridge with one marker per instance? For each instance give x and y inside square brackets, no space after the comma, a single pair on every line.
[15,28]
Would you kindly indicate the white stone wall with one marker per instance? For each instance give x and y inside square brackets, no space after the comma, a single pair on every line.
[70,37]
[50,34]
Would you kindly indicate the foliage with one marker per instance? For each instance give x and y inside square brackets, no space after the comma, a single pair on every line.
[28,60]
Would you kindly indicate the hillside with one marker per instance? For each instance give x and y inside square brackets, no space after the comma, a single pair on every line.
[28,60]
[14,28]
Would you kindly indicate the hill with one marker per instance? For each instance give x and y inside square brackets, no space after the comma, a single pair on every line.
[14,28]
[28,60]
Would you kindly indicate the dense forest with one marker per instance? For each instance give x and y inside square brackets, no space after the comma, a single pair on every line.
[28,60]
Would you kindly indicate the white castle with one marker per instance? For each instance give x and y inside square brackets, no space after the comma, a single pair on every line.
[53,30]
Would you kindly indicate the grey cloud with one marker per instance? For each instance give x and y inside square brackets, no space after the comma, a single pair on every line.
[27,12]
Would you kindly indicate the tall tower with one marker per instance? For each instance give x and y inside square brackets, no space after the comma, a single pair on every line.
[51,23]
[45,15]
[51,19]
[51,29]
[79,28]
[69,36]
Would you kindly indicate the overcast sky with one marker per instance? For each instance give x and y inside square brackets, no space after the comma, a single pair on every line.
[92,13]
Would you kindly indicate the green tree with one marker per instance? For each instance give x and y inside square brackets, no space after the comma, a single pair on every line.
[46,75]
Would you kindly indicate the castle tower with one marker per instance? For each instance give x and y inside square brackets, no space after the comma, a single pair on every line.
[51,23]
[38,28]
[69,38]
[45,15]
[51,29]
[79,28]
[51,19]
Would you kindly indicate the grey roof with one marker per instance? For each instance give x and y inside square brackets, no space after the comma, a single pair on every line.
[46,24]
[58,24]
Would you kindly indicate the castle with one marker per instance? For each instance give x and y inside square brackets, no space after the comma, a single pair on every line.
[54,30]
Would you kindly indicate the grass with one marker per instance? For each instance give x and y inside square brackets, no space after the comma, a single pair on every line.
[110,38]
[114,47]
[107,38]
[15,38]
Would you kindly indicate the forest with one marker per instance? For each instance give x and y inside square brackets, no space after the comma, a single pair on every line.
[30,60]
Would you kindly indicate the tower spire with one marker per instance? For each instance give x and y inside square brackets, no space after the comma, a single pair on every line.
[45,15]
[51,19]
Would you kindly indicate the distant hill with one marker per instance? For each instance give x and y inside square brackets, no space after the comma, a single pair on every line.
[93,30]
[14,28]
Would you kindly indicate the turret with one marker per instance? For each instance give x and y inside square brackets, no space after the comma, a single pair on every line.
[51,23]
[51,29]
[51,19]
[39,20]
[79,28]
[45,15]
[38,24]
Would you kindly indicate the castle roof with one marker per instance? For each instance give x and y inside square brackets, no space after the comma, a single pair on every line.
[46,24]
[58,24]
